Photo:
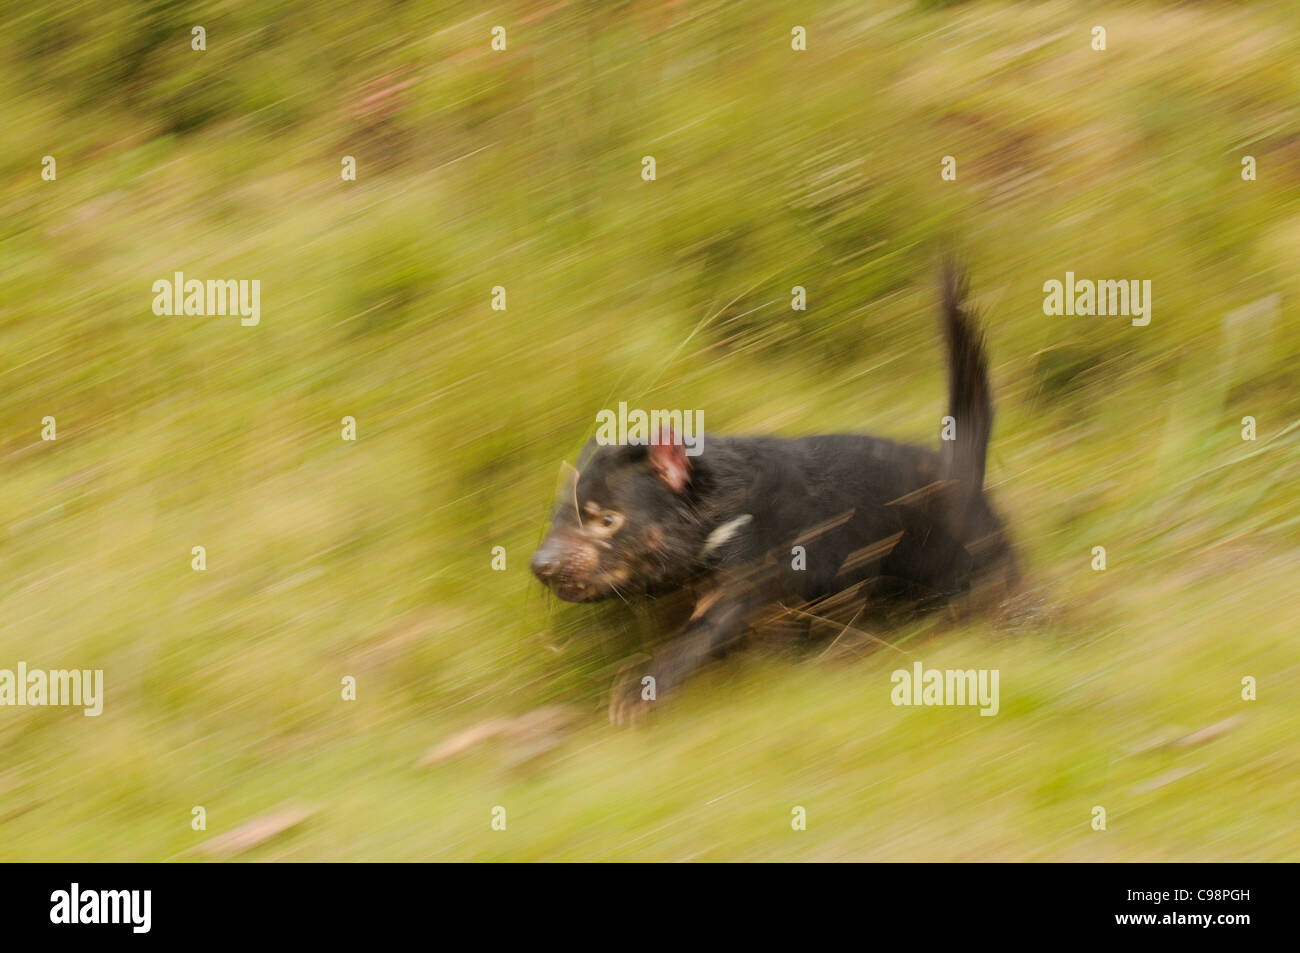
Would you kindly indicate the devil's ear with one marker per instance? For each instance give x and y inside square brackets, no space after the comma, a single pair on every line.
[668,459]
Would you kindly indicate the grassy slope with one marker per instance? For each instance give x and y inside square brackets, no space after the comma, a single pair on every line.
[775,169]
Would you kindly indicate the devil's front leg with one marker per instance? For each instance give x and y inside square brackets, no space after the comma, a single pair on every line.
[718,624]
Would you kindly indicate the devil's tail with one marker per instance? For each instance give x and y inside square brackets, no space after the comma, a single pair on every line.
[969,403]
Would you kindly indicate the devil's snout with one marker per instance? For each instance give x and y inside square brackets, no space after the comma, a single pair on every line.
[546,561]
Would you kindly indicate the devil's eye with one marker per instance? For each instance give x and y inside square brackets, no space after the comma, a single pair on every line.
[607,523]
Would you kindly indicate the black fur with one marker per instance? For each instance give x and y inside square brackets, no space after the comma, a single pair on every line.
[886,522]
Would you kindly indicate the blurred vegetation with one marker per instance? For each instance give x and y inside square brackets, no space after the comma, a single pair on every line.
[522,169]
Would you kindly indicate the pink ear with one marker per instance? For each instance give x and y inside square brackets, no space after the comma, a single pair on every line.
[668,458]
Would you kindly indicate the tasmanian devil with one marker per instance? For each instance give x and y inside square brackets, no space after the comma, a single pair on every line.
[756,522]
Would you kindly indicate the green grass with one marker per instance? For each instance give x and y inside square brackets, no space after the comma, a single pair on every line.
[522,169]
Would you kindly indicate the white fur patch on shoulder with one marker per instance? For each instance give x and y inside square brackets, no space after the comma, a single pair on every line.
[723,533]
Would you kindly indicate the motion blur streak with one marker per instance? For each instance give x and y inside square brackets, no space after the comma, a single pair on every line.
[328,559]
